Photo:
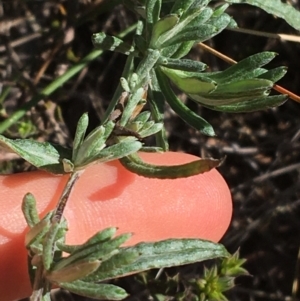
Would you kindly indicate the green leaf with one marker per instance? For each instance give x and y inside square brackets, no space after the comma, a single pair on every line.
[182,50]
[170,50]
[36,234]
[252,105]
[235,92]
[157,106]
[80,133]
[106,42]
[167,253]
[202,18]
[200,33]
[49,242]
[136,165]
[190,82]
[219,10]
[183,64]
[152,11]
[43,155]
[163,25]
[242,87]
[99,237]
[146,64]
[181,6]
[182,110]
[90,150]
[232,265]
[243,69]
[94,290]
[151,130]
[91,252]
[142,117]
[275,74]
[73,271]
[277,8]
[119,260]
[116,151]
[163,39]
[132,103]
[29,210]
[196,6]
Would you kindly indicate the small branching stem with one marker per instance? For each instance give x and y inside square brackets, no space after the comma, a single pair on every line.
[41,285]
[58,213]
[40,282]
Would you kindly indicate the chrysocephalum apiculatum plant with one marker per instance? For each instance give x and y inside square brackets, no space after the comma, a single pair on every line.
[165,33]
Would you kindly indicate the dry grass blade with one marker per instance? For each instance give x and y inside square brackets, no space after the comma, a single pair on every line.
[281,36]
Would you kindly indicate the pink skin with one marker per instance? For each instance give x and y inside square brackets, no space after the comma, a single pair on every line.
[108,195]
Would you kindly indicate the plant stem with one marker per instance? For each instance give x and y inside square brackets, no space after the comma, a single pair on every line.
[58,213]
[40,285]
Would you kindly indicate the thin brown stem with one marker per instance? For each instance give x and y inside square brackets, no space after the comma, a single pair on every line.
[39,284]
[281,36]
[58,213]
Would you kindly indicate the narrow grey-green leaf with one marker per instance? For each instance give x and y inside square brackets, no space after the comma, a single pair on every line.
[240,70]
[189,82]
[184,64]
[182,110]
[277,8]
[96,251]
[156,101]
[82,125]
[142,117]
[146,64]
[96,291]
[114,152]
[182,50]
[43,155]
[242,87]
[275,74]
[202,32]
[167,253]
[220,10]
[152,149]
[118,261]
[235,92]
[133,101]
[94,143]
[136,165]
[106,42]
[99,237]
[170,50]
[155,128]
[152,12]
[73,271]
[34,236]
[163,25]
[252,105]
[181,5]
[162,41]
[201,18]
[49,241]
[29,210]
